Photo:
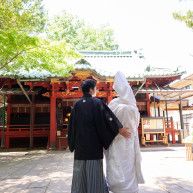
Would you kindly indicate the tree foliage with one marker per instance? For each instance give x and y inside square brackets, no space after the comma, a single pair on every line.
[21,51]
[22,15]
[25,45]
[187,18]
[22,47]
[79,35]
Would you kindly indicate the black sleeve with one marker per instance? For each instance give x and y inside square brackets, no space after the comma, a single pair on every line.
[72,130]
[107,123]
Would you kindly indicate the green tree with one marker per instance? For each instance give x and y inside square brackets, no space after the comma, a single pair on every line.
[81,36]
[21,43]
[187,18]
[22,15]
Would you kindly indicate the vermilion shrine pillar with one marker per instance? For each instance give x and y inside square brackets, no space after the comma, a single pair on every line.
[32,121]
[8,121]
[8,118]
[148,101]
[53,127]
[148,105]
[148,110]
[109,93]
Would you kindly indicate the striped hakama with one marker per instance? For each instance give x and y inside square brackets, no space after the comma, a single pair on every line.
[88,177]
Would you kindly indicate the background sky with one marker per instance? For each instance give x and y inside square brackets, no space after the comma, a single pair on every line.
[146,24]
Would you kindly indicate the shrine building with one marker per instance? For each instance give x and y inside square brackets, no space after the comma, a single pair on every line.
[38,104]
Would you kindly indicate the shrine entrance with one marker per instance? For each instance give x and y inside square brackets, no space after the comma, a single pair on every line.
[63,110]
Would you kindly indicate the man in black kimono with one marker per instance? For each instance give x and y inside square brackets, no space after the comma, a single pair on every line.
[92,127]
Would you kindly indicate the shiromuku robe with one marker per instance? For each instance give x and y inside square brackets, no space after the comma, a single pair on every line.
[123,155]
[92,127]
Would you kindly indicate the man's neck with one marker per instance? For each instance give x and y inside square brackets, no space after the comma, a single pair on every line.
[87,95]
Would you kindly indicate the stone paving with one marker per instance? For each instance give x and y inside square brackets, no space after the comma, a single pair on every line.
[165,170]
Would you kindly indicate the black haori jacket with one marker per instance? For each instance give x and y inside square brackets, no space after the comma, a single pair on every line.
[92,126]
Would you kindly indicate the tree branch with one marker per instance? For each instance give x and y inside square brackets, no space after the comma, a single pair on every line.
[16,57]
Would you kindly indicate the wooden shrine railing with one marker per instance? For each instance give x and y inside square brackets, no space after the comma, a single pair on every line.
[169,126]
[177,125]
[41,130]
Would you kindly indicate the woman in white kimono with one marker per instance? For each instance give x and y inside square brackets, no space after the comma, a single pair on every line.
[123,156]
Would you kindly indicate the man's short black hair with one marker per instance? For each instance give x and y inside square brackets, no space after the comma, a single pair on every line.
[87,84]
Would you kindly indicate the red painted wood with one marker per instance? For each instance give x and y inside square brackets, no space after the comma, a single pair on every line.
[147,98]
[148,108]
[109,93]
[75,94]
[109,97]
[61,141]
[151,137]
[18,131]
[78,94]
[33,121]
[72,84]
[102,86]
[148,111]
[8,122]
[102,94]
[161,81]
[53,127]
[43,84]
[30,84]
[139,130]
[170,129]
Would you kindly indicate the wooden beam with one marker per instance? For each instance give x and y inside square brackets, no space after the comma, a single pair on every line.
[18,81]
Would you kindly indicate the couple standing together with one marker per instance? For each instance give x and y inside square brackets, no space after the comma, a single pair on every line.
[94,129]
